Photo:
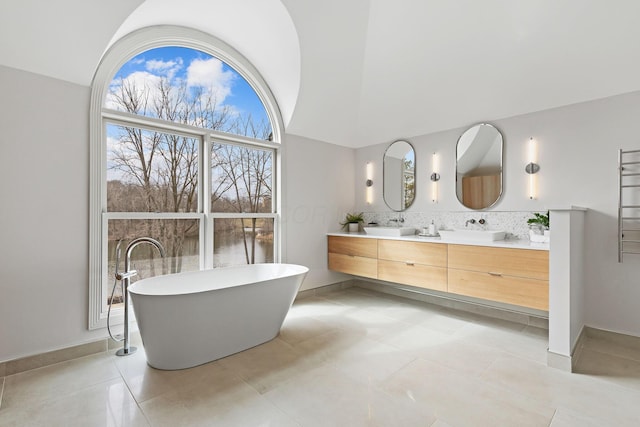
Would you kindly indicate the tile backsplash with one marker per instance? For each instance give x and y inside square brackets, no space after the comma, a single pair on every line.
[514,223]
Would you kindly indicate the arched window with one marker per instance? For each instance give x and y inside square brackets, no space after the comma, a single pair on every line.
[185,149]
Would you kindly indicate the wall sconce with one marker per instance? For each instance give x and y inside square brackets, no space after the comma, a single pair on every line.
[532,167]
[435,177]
[369,183]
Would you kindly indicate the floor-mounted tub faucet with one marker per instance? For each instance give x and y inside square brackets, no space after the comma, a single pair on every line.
[126,278]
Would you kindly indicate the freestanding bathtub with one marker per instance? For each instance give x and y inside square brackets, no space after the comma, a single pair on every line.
[187,319]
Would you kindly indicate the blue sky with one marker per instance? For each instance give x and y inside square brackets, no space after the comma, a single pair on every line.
[179,65]
[199,69]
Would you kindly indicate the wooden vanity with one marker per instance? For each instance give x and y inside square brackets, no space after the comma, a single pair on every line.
[513,275]
[413,263]
[357,256]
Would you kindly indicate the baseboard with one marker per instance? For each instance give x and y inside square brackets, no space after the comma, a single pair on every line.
[568,363]
[41,360]
[560,361]
[614,337]
[576,352]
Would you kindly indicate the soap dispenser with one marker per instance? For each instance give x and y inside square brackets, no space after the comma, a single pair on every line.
[432,229]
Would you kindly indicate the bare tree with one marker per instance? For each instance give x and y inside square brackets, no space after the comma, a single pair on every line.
[158,172]
[246,173]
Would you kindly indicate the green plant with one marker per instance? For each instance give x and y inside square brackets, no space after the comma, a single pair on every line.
[352,218]
[541,220]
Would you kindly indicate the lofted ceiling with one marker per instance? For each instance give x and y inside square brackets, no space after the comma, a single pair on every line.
[362,72]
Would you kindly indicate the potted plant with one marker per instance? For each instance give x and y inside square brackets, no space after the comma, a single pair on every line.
[352,222]
[539,228]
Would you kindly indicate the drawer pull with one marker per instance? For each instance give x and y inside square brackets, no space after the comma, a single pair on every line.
[495,274]
[410,262]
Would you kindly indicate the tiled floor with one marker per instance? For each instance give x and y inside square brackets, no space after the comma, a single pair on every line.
[348,358]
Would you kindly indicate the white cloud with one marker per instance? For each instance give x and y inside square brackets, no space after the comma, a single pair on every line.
[165,68]
[143,82]
[206,74]
[210,75]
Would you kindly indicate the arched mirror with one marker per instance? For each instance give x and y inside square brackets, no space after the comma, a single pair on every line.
[399,175]
[479,166]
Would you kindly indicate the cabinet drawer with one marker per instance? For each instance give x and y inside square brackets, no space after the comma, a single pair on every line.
[424,276]
[508,262]
[358,266]
[416,252]
[508,289]
[358,246]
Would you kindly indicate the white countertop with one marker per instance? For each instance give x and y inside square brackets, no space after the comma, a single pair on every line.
[511,243]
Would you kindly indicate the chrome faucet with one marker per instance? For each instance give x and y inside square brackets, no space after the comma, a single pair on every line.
[469,221]
[126,279]
[398,220]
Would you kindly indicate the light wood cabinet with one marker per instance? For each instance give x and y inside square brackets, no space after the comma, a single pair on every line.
[508,275]
[513,276]
[358,266]
[354,255]
[510,262]
[416,252]
[413,263]
[354,246]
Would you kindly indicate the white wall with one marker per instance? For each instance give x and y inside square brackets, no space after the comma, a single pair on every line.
[318,191]
[578,159]
[44,193]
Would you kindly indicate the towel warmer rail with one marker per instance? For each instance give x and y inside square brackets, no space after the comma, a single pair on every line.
[628,203]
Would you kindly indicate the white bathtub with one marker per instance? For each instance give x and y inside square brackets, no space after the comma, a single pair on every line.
[188,319]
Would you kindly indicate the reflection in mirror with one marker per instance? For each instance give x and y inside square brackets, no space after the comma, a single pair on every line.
[479,166]
[399,173]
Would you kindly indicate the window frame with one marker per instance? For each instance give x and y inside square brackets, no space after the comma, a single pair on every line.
[114,58]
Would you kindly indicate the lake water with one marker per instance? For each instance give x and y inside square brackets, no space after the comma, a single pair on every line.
[229,250]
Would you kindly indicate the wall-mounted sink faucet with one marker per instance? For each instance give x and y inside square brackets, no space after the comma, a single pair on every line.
[398,220]
[481,221]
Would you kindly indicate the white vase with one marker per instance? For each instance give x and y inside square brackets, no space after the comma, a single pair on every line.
[539,236]
[354,227]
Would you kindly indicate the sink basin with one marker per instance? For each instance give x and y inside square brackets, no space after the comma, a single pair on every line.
[461,235]
[390,231]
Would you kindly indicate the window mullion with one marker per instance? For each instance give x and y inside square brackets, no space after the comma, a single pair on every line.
[206,249]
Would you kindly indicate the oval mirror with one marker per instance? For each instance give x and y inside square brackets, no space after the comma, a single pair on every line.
[399,175]
[479,166]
